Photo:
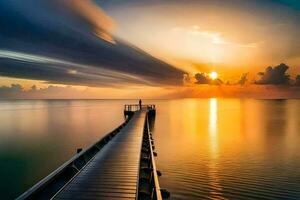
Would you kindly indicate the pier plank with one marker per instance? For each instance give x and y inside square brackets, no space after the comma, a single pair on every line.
[113,172]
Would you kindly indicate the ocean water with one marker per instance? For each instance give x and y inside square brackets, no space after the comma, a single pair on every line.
[207,148]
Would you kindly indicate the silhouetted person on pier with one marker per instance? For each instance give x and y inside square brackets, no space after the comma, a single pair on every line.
[140,104]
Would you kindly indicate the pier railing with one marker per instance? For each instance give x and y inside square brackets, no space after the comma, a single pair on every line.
[136,107]
[51,184]
[148,178]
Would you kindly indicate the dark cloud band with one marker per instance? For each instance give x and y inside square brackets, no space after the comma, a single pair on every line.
[39,30]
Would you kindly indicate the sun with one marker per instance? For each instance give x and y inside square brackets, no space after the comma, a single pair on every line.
[213,75]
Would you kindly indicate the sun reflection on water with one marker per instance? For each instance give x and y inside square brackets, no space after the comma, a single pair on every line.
[213,131]
[215,186]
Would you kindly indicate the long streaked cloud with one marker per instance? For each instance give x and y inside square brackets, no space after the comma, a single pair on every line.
[48,41]
[83,74]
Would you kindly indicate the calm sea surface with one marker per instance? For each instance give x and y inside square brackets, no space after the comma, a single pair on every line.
[207,148]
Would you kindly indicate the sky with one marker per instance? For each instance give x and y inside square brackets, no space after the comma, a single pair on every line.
[149,49]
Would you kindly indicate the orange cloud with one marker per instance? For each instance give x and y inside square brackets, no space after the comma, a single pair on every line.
[103,25]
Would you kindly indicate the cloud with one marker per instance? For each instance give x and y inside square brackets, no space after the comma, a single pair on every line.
[215,37]
[17,91]
[187,80]
[244,79]
[203,78]
[54,70]
[297,80]
[13,91]
[102,24]
[44,40]
[14,88]
[274,75]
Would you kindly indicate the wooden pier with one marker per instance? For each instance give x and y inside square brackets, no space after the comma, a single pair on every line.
[119,166]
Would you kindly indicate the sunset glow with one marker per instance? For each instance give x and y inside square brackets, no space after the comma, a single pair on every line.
[220,48]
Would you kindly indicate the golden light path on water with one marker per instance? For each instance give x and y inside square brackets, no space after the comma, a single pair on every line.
[214,183]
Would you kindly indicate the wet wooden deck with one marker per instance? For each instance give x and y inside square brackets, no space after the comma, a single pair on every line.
[113,172]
